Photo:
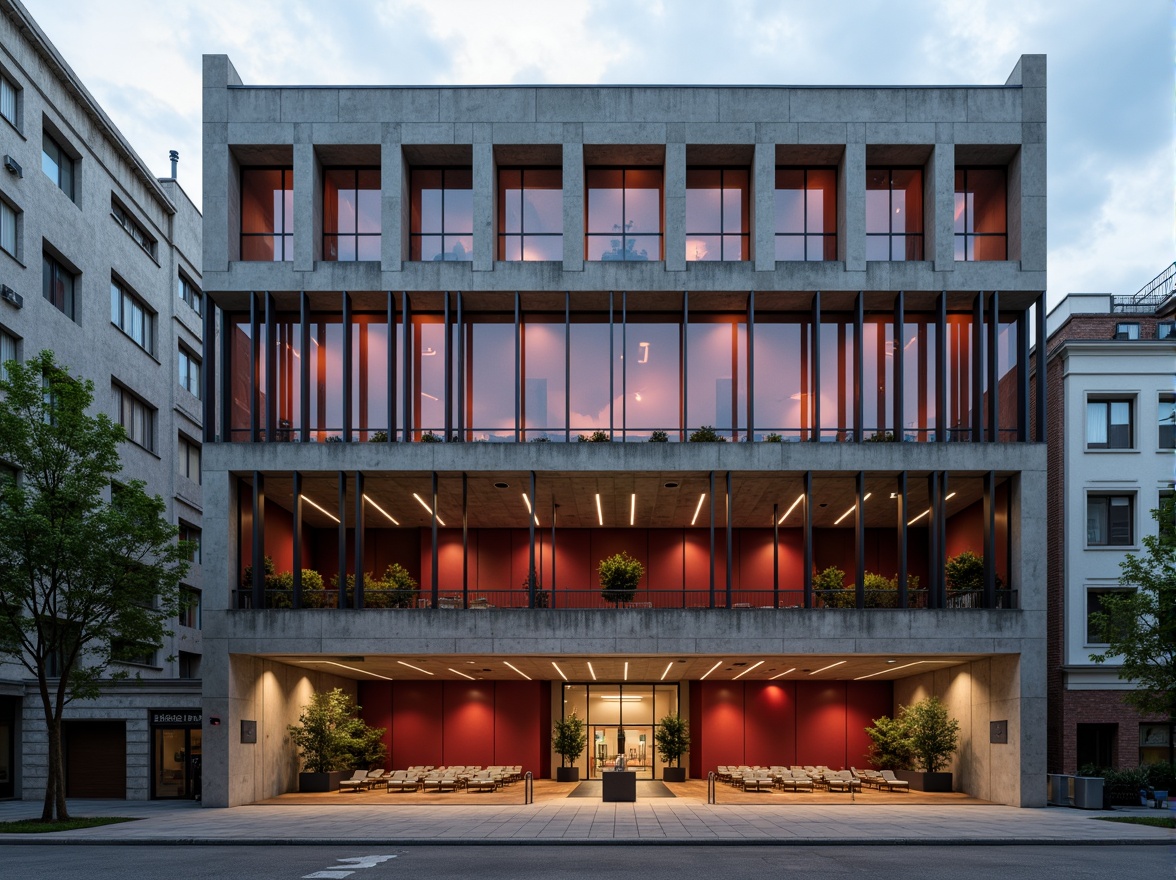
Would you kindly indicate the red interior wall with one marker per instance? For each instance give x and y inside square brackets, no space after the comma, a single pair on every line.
[469,712]
[417,723]
[865,701]
[769,734]
[722,713]
[820,728]
[375,701]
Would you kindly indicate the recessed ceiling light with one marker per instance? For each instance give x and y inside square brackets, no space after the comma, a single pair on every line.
[891,661]
[501,485]
[670,485]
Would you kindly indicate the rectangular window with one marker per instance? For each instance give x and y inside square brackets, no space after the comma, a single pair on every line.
[8,99]
[267,214]
[806,213]
[136,653]
[124,219]
[1127,330]
[894,214]
[189,372]
[1110,520]
[624,214]
[981,214]
[1167,420]
[57,164]
[191,294]
[189,608]
[717,214]
[1156,743]
[189,459]
[1165,329]
[442,222]
[136,417]
[8,227]
[351,214]
[1094,600]
[192,535]
[57,285]
[7,353]
[530,214]
[1108,424]
[129,314]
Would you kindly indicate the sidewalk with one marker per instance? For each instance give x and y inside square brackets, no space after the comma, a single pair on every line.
[580,821]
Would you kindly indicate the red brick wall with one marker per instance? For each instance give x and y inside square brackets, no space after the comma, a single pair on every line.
[1100,707]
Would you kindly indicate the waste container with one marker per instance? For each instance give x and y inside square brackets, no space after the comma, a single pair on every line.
[1061,790]
[1088,792]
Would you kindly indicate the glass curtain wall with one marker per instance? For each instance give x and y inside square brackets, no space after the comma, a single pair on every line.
[620,719]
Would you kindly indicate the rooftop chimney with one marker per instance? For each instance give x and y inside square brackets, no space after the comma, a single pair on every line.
[175,160]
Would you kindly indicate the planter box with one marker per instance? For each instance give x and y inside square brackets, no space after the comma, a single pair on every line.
[322,781]
[567,774]
[921,781]
[619,786]
[674,774]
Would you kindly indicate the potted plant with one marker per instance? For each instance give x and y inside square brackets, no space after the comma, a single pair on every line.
[933,737]
[707,434]
[619,576]
[889,747]
[829,586]
[569,739]
[542,597]
[332,740]
[672,738]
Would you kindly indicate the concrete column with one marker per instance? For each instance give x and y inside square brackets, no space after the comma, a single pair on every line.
[851,208]
[484,243]
[573,207]
[763,208]
[675,208]
[308,224]
[393,207]
[222,195]
[1027,203]
[939,208]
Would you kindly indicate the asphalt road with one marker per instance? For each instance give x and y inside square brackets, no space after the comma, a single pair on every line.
[598,862]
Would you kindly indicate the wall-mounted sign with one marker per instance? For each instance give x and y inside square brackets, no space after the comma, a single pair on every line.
[176,717]
[998,732]
[248,731]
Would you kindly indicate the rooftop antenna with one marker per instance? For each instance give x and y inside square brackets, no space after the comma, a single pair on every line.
[175,160]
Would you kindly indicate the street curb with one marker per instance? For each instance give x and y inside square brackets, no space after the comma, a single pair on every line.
[1168,840]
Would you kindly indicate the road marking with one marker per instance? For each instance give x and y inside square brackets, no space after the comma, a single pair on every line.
[350,863]
[365,861]
[327,875]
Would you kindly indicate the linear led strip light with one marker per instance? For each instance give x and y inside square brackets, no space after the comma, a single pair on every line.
[377,507]
[697,510]
[440,521]
[319,508]
[799,498]
[896,668]
[837,521]
[345,666]
[527,501]
[928,510]
[599,510]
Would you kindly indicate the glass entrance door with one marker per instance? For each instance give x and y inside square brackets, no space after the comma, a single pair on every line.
[176,762]
[635,742]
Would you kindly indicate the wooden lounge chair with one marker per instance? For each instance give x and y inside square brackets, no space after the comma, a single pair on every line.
[892,782]
[796,780]
[357,782]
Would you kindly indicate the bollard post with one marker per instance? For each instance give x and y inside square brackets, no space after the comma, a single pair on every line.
[528,788]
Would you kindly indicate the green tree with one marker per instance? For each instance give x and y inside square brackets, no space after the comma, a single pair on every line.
[330,735]
[1139,623]
[932,734]
[672,738]
[85,582]
[568,739]
[889,747]
[619,576]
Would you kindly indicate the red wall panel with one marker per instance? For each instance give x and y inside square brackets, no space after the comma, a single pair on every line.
[722,717]
[820,726]
[521,735]
[769,723]
[865,701]
[468,723]
[417,723]
[375,701]
[665,560]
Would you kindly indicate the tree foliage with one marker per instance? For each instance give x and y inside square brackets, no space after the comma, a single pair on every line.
[569,738]
[619,576]
[330,735]
[89,569]
[889,747]
[923,736]
[1139,623]
[672,738]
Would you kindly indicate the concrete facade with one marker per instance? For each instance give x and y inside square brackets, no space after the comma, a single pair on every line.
[83,235]
[1086,363]
[993,658]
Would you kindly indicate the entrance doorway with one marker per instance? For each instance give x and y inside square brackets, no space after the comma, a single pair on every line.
[635,742]
[621,719]
[176,754]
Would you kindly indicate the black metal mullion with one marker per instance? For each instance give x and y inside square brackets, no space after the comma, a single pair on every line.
[775,555]
[903,539]
[435,575]
[859,540]
[359,525]
[391,368]
[899,367]
[993,368]
[978,368]
[815,373]
[341,509]
[859,368]
[1023,376]
[448,332]
[624,365]
[567,366]
[684,370]
[531,573]
[750,365]
[989,529]
[465,543]
[406,371]
[257,541]
[518,379]
[254,354]
[208,373]
[1039,434]
[941,368]
[730,538]
[348,367]
[808,539]
[711,499]
[461,369]
[296,550]
[611,358]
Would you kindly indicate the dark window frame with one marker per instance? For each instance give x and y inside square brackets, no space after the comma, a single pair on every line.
[1110,538]
[53,273]
[968,236]
[15,212]
[744,234]
[503,236]
[285,238]
[123,217]
[890,234]
[805,235]
[1166,425]
[356,235]
[1113,431]
[415,235]
[191,294]
[16,92]
[126,396]
[187,448]
[66,177]
[625,233]
[123,292]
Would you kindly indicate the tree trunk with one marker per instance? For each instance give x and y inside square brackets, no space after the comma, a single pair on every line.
[55,766]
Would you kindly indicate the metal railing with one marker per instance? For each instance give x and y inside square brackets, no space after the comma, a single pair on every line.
[1150,297]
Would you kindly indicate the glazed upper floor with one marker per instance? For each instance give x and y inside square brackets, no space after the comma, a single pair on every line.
[554,187]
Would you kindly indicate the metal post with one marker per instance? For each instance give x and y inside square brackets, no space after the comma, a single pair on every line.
[989,539]
[271,367]
[727,507]
[448,422]
[296,553]
[711,499]
[775,555]
[624,365]
[304,367]
[226,379]
[342,511]
[348,367]
[531,573]
[815,391]
[1023,375]
[808,539]
[465,542]
[903,597]
[461,368]
[683,385]
[899,367]
[567,366]
[978,368]
[934,566]
[435,575]
[254,365]
[750,366]
[941,367]
[941,539]
[859,529]
[391,369]
[993,368]
[1039,434]
[554,508]
[611,368]
[406,370]
[258,540]
[859,368]
[208,373]
[360,524]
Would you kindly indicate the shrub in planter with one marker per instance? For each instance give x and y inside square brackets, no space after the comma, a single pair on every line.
[330,736]
[707,434]
[774,438]
[594,437]
[672,740]
[569,739]
[378,437]
[965,572]
[430,437]
[889,747]
[659,437]
[619,576]
[933,734]
[829,585]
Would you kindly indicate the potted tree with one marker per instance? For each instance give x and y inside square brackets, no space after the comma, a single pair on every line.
[619,576]
[332,740]
[672,739]
[569,739]
[933,737]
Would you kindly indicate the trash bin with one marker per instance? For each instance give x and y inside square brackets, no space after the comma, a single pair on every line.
[1061,790]
[1088,792]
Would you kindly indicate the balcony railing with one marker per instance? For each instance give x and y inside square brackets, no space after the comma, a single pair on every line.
[486,600]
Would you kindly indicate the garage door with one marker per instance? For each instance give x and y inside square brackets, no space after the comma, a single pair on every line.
[95,759]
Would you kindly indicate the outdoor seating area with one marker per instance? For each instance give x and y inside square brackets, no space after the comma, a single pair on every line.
[427,778]
[807,778]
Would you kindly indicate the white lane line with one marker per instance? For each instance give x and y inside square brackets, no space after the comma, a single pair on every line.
[365,861]
[327,875]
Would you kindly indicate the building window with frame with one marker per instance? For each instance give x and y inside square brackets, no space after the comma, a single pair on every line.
[1094,605]
[189,615]
[191,294]
[267,214]
[530,214]
[189,459]
[8,352]
[1165,329]
[1157,742]
[136,417]
[57,285]
[57,164]
[132,317]
[8,237]
[189,372]
[981,214]
[1108,424]
[806,214]
[1110,520]
[351,214]
[9,101]
[894,214]
[717,214]
[442,221]
[192,535]
[1127,330]
[1167,421]
[624,214]
[124,219]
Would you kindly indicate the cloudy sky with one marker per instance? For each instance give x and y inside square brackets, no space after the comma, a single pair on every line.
[1111,176]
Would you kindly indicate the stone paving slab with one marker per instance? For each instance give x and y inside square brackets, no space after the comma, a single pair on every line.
[664,821]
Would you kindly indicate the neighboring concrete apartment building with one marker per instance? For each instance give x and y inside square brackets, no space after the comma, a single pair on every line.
[100,262]
[1110,370]
[425,296]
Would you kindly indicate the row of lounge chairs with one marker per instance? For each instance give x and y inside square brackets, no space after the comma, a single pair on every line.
[807,778]
[439,779]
